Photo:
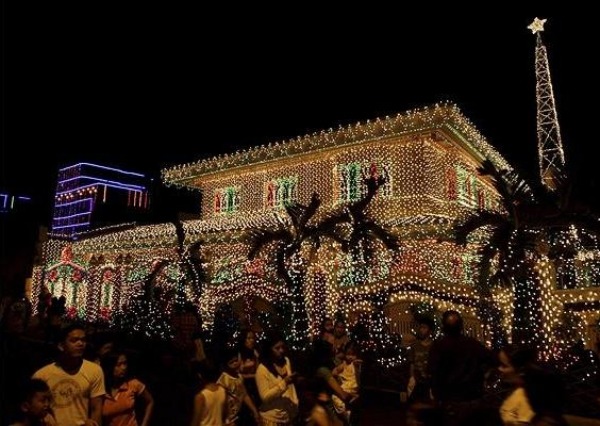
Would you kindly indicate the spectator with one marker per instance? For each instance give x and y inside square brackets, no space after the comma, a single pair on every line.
[104,343]
[457,365]
[237,395]
[186,324]
[210,408]
[77,385]
[340,340]
[249,356]
[275,382]
[35,405]
[320,414]
[513,361]
[348,375]
[419,384]
[326,331]
[546,393]
[322,373]
[123,392]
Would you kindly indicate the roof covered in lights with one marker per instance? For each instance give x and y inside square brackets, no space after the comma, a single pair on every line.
[445,117]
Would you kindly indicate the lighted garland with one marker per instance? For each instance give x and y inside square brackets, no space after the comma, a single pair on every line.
[446,116]
[420,205]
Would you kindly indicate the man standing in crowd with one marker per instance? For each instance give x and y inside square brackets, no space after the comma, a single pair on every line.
[77,385]
[457,365]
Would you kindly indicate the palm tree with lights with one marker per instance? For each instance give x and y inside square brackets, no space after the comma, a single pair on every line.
[541,225]
[350,227]
[191,274]
[289,238]
[365,233]
[504,236]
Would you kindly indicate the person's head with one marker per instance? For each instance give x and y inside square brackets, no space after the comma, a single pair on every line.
[231,360]
[340,328]
[545,390]
[104,344]
[274,347]
[327,325]
[452,323]
[426,328]
[207,371]
[323,353]
[72,341]
[35,399]
[351,352]
[513,360]
[247,339]
[115,367]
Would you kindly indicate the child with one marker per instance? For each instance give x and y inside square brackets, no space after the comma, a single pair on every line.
[210,407]
[233,382]
[322,412]
[347,373]
[35,405]
[123,392]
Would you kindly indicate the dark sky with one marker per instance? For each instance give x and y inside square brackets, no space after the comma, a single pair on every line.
[144,87]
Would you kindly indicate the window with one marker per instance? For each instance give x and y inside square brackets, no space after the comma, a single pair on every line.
[281,192]
[467,188]
[227,200]
[352,178]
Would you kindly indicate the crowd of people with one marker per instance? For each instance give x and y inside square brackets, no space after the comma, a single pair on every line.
[91,378]
[74,374]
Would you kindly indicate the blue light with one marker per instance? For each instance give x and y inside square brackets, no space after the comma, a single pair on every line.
[102,167]
[70,226]
[73,202]
[98,180]
[72,216]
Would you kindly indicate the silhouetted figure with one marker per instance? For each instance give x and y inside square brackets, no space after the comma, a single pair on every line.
[249,355]
[513,362]
[419,384]
[546,393]
[35,397]
[457,365]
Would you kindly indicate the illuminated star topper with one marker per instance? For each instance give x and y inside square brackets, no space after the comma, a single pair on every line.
[537,26]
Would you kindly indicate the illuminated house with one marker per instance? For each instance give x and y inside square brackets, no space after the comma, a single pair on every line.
[89,196]
[429,158]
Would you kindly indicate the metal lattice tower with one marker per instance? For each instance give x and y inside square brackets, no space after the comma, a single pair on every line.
[550,150]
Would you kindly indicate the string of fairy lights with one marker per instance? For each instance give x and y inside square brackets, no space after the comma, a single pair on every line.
[429,157]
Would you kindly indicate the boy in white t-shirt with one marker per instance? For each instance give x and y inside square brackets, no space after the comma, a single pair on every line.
[77,385]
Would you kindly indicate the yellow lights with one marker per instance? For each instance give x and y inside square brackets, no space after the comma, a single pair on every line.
[429,157]
[446,117]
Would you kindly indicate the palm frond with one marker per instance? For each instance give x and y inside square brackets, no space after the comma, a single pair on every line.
[478,220]
[389,240]
[257,239]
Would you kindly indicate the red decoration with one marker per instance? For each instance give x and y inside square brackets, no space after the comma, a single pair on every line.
[451,181]
[107,275]
[66,255]
[71,312]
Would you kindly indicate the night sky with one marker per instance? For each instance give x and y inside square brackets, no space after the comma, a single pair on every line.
[144,88]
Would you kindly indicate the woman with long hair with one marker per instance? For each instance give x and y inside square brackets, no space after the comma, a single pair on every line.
[275,382]
[122,393]
[248,357]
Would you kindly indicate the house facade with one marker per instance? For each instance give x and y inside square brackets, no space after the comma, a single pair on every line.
[429,159]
